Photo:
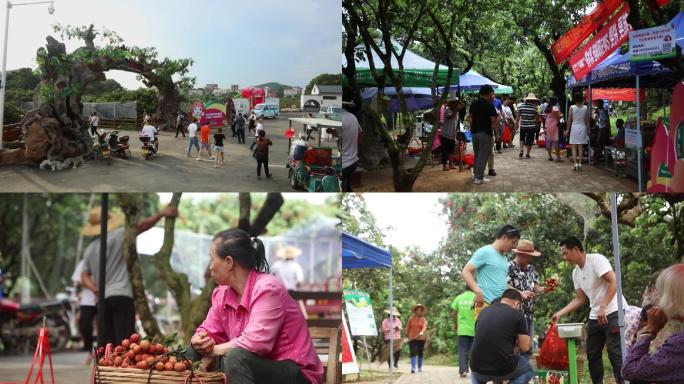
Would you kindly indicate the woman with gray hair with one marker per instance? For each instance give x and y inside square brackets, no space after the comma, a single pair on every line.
[663,365]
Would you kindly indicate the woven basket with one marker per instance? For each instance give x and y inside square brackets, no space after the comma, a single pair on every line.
[112,375]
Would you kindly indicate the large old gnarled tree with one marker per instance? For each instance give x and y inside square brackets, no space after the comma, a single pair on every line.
[192,309]
[56,133]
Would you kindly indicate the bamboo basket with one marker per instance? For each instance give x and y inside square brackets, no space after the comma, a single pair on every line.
[112,375]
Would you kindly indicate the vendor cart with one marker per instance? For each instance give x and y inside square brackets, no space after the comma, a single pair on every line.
[311,165]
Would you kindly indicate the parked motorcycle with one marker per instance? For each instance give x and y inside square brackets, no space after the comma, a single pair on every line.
[118,146]
[150,146]
[102,148]
[21,323]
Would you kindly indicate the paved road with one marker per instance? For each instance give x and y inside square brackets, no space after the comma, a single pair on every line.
[172,170]
[70,367]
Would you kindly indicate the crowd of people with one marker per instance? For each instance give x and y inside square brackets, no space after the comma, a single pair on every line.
[494,122]
[493,318]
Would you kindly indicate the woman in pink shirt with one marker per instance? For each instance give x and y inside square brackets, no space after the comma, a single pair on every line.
[396,344]
[254,328]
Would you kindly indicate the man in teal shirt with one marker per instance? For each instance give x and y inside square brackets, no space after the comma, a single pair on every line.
[464,325]
[486,273]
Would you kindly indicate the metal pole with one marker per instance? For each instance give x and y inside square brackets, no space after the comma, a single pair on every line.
[618,273]
[4,74]
[638,126]
[104,204]
[391,343]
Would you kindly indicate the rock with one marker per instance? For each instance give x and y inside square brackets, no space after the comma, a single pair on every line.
[37,141]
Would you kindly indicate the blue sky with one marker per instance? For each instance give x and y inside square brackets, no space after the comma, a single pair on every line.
[232,42]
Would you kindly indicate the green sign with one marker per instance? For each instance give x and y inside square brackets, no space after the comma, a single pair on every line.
[360,313]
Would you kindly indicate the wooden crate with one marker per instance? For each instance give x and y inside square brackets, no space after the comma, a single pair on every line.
[112,375]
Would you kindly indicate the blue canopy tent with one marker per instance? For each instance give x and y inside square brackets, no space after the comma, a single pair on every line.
[617,70]
[357,253]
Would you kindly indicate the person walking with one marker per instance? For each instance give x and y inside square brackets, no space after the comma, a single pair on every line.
[240,128]
[351,139]
[486,273]
[252,122]
[261,153]
[464,326]
[553,115]
[205,131]
[180,124]
[87,309]
[416,332]
[579,132]
[484,120]
[287,269]
[594,279]
[523,277]
[396,341]
[259,128]
[119,313]
[603,125]
[218,146]
[449,130]
[192,137]
[527,123]
[94,123]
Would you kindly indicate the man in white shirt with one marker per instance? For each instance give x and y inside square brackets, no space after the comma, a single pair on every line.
[593,278]
[94,123]
[151,132]
[287,269]
[88,309]
[192,135]
[351,138]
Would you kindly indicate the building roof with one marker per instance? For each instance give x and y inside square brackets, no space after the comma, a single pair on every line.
[329,89]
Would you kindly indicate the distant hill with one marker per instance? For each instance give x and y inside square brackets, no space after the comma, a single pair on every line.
[276,86]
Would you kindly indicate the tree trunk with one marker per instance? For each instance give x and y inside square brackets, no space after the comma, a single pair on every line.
[271,206]
[132,206]
[245,211]
[558,81]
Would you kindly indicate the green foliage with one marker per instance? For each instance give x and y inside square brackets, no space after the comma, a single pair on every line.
[324,79]
[473,220]
[22,78]
[147,98]
[12,114]
[102,87]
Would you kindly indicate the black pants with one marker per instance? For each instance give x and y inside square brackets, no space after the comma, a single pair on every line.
[93,130]
[397,354]
[601,142]
[179,129]
[244,367]
[597,337]
[232,128]
[119,319]
[416,347]
[346,177]
[85,326]
[240,135]
[262,160]
[448,146]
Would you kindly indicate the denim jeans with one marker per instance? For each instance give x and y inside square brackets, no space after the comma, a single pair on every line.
[464,345]
[530,331]
[346,177]
[522,375]
[597,337]
[193,141]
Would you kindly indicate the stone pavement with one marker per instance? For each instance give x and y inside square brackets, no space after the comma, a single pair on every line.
[432,374]
[69,367]
[513,175]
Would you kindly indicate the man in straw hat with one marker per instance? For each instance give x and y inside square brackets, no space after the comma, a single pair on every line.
[524,278]
[491,268]
[287,269]
[397,341]
[119,306]
[528,122]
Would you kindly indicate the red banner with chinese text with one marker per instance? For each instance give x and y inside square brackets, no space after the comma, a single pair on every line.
[614,33]
[567,43]
[616,94]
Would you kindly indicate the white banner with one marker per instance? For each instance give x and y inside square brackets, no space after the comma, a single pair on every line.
[652,43]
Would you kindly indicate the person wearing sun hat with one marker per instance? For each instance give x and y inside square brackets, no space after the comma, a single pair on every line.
[119,306]
[287,269]
[397,341]
[416,331]
[527,122]
[523,277]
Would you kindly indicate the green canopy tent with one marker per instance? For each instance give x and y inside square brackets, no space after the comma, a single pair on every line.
[418,71]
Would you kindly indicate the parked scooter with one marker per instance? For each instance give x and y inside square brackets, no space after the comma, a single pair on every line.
[118,146]
[20,324]
[150,146]
[102,148]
